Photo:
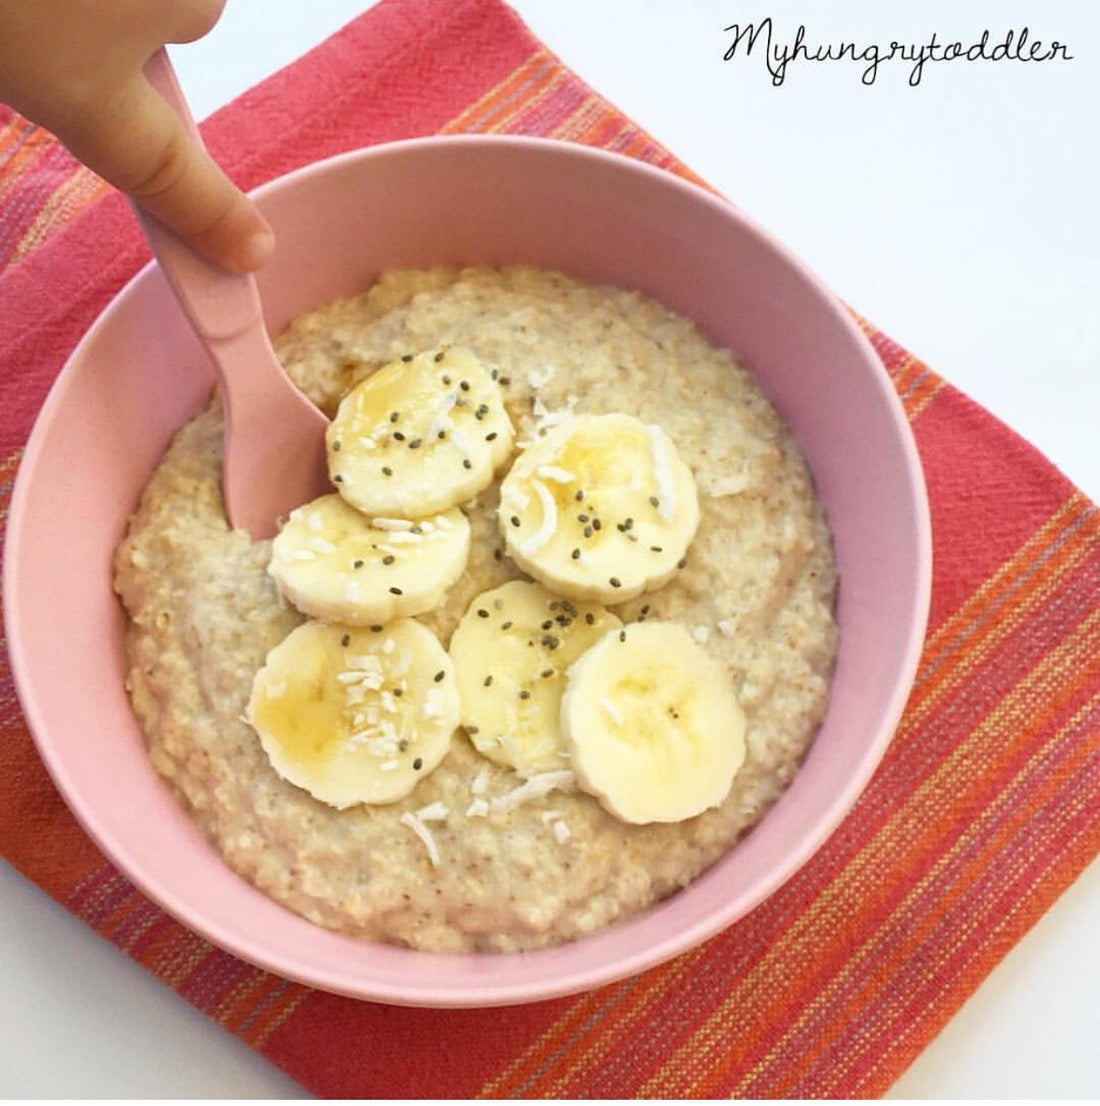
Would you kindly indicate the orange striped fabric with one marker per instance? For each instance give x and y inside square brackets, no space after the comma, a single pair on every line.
[41,189]
[985,808]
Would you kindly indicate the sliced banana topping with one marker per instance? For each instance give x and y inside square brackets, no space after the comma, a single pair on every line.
[652,724]
[355,716]
[334,563]
[511,652]
[420,435]
[601,508]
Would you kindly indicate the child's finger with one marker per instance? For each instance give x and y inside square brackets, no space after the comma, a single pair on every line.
[137,143]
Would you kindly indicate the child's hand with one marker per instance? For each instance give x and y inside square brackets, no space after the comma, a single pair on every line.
[75,68]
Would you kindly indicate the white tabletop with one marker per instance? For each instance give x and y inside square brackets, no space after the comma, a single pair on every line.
[957,215]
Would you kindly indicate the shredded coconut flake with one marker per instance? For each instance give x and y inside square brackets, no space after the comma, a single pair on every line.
[534,788]
[558,475]
[538,379]
[480,781]
[561,833]
[433,704]
[384,745]
[383,523]
[479,808]
[725,626]
[462,442]
[433,812]
[514,497]
[360,677]
[701,634]
[441,417]
[549,520]
[728,485]
[417,826]
[300,555]
[662,472]
[611,710]
[545,419]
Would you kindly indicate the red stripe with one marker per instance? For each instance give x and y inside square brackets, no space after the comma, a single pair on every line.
[916,754]
[994,912]
[975,468]
[1079,845]
[405,1053]
[933,919]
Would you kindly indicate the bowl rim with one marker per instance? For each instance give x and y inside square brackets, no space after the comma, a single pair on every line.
[507,987]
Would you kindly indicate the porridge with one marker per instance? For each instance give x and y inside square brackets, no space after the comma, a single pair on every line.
[513,817]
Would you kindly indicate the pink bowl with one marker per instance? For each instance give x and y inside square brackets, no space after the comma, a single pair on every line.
[139,374]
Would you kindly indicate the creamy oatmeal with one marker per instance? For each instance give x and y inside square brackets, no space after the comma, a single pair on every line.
[475,858]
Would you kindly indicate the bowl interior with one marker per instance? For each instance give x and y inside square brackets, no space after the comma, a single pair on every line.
[460,201]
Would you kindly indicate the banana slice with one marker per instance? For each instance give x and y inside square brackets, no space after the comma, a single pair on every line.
[511,651]
[353,716]
[601,508]
[334,563]
[652,724]
[419,436]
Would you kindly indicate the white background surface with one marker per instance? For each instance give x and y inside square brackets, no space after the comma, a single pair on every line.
[958,215]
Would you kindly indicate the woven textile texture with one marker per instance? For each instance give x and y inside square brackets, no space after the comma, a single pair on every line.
[985,808]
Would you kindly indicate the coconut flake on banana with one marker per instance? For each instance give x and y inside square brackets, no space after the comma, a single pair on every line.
[420,435]
[354,716]
[600,508]
[652,724]
[334,563]
[511,652]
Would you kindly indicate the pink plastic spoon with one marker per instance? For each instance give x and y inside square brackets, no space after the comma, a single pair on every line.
[274,437]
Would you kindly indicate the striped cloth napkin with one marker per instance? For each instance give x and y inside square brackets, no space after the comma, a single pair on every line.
[985,808]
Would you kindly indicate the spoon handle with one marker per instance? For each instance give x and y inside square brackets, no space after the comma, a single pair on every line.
[218,303]
[274,455]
